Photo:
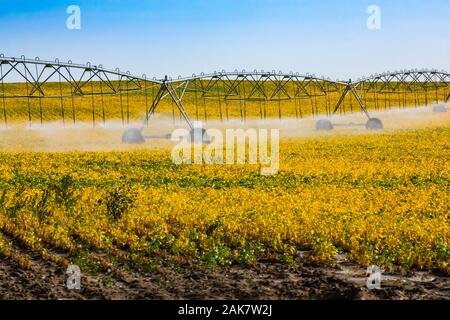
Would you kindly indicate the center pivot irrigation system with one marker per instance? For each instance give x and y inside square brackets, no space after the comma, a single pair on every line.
[35,80]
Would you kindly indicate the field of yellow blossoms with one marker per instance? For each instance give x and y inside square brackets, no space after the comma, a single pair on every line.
[378,199]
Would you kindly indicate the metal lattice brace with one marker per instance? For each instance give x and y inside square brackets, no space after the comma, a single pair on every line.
[37,74]
[228,86]
[351,89]
[167,89]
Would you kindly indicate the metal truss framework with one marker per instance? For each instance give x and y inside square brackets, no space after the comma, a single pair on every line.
[75,80]
[36,74]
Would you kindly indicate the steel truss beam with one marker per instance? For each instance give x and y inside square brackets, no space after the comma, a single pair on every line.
[244,86]
[260,86]
[406,81]
[37,74]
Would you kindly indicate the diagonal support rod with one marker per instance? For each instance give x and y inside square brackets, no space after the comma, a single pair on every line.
[350,89]
[159,96]
[179,104]
[167,89]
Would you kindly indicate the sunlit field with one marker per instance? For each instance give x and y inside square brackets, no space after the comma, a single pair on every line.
[77,195]
[127,107]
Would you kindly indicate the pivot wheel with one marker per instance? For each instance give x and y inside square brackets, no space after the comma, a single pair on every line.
[199,135]
[374,124]
[133,136]
[439,108]
[324,125]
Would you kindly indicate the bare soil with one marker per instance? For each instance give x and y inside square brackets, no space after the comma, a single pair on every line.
[267,280]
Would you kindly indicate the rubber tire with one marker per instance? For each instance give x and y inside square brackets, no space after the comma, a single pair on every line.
[133,136]
[440,108]
[199,135]
[324,125]
[374,124]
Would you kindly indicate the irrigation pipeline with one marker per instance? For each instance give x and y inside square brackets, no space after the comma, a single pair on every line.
[218,92]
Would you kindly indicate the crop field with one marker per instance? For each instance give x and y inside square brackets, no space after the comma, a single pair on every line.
[132,105]
[368,198]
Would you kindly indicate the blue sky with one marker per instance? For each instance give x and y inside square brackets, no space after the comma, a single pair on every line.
[181,37]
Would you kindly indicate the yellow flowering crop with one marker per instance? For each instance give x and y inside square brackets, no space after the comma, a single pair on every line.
[381,199]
